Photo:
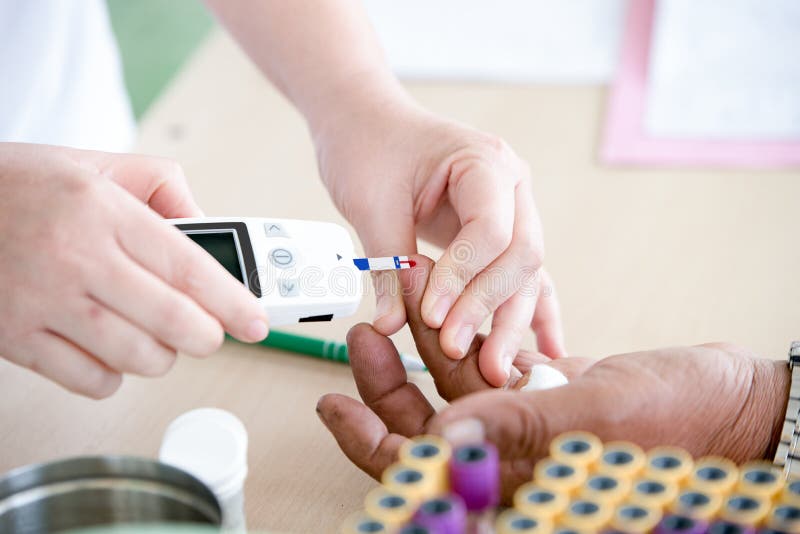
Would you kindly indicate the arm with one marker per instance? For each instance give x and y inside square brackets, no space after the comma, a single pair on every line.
[398,173]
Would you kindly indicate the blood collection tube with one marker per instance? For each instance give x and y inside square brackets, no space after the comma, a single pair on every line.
[605,488]
[634,518]
[714,474]
[475,475]
[671,464]
[576,448]
[536,501]
[430,454]
[414,528]
[571,530]
[413,484]
[696,504]
[515,522]
[681,524]
[726,527]
[558,476]
[760,478]
[621,459]
[653,492]
[745,509]
[443,515]
[360,522]
[389,507]
[586,514]
[784,518]
[790,492]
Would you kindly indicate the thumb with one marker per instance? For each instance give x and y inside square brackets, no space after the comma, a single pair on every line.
[158,182]
[388,234]
[522,424]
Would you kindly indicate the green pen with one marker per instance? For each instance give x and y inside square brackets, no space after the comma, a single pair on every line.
[326,350]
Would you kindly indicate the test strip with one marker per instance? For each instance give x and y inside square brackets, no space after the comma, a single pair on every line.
[388,263]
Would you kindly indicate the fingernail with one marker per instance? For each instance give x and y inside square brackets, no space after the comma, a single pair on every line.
[464,338]
[508,361]
[383,307]
[257,330]
[439,310]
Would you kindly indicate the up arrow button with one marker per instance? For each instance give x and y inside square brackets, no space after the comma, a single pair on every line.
[273,229]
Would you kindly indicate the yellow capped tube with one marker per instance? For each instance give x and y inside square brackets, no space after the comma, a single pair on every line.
[760,478]
[745,509]
[387,506]
[606,488]
[622,459]
[430,454]
[634,518]
[714,474]
[360,522]
[576,448]
[413,484]
[785,517]
[653,492]
[514,522]
[559,476]
[536,501]
[671,464]
[697,504]
[586,514]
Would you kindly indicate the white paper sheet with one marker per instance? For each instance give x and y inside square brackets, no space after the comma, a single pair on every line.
[725,69]
[573,41]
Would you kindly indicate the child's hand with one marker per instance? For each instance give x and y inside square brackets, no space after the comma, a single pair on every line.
[713,399]
[398,173]
[93,283]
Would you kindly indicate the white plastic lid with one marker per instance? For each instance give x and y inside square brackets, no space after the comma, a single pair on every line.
[211,444]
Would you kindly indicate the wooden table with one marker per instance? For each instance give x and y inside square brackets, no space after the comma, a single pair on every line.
[642,258]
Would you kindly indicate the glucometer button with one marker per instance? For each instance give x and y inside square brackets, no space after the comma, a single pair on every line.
[288,287]
[273,229]
[281,257]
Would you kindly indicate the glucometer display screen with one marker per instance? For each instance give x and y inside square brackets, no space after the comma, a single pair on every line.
[223,247]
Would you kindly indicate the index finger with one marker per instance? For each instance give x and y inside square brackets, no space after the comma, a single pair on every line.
[170,255]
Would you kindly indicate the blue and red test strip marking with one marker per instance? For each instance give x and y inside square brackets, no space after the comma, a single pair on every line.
[383,264]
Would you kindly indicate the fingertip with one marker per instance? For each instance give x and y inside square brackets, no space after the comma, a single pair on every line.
[257,330]
[494,366]
[391,318]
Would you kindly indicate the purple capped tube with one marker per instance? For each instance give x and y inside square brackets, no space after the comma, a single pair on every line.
[726,527]
[475,476]
[443,515]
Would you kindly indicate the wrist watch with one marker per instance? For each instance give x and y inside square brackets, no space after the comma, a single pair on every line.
[787,457]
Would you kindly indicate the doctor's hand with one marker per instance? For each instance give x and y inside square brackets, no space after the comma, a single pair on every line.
[710,399]
[398,173]
[93,284]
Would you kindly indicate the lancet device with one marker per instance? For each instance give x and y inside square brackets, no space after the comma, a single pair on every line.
[301,271]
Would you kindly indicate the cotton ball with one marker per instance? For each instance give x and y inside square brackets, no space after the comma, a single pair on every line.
[544,377]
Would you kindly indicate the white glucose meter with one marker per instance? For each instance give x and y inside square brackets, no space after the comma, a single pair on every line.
[301,271]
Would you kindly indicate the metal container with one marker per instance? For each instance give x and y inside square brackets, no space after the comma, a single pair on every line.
[101,490]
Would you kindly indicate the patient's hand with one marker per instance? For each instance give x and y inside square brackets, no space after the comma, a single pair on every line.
[710,399]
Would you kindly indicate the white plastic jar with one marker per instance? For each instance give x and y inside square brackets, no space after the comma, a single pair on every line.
[211,444]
